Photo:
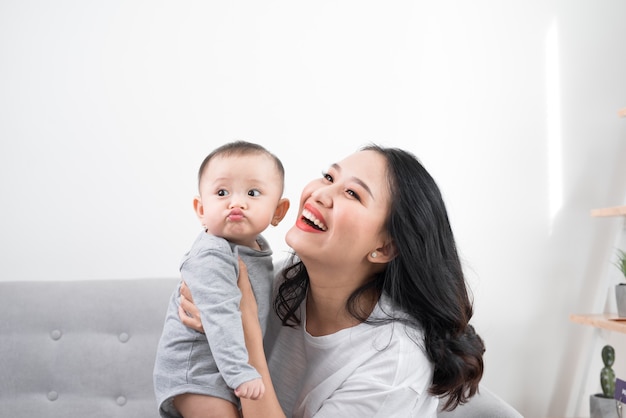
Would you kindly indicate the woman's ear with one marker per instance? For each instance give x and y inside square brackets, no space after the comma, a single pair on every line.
[281,211]
[383,254]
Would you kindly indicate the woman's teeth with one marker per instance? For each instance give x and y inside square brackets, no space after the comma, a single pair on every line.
[308,216]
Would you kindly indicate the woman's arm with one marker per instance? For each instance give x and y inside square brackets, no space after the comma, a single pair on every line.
[268,405]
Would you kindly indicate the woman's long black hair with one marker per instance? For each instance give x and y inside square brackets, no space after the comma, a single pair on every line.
[425,279]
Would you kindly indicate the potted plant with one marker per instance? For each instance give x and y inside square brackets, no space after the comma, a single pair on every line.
[604,405]
[620,289]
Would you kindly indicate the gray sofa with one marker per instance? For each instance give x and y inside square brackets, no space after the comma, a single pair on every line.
[86,349]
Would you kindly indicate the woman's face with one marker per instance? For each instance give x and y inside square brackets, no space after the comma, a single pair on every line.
[342,214]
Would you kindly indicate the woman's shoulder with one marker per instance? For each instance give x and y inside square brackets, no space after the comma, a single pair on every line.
[395,326]
[394,355]
[387,310]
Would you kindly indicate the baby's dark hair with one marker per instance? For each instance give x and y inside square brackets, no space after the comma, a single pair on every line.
[239,148]
[425,280]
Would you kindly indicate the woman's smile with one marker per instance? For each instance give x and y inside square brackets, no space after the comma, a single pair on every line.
[313,218]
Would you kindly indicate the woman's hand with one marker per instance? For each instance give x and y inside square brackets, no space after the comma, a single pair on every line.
[187,310]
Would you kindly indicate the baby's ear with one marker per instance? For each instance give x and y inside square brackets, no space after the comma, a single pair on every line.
[281,211]
[198,207]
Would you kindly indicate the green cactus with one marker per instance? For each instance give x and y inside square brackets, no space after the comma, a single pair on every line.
[607,375]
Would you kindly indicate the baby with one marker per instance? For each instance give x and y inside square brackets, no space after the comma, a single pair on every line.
[240,195]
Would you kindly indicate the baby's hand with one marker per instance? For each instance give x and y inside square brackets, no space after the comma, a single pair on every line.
[253,389]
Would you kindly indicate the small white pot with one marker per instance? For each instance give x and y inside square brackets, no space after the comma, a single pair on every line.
[620,300]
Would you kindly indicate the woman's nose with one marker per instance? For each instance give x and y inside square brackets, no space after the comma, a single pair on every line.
[324,195]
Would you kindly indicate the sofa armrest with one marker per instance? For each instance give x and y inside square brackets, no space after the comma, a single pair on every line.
[484,404]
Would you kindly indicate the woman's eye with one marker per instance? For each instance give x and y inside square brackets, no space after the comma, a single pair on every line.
[222,192]
[327,177]
[254,193]
[353,194]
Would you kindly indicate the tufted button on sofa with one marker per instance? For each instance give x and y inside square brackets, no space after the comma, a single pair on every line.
[87,348]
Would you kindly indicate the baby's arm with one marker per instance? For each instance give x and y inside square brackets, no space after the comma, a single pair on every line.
[252,389]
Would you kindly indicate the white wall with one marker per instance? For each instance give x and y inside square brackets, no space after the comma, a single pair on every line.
[108,107]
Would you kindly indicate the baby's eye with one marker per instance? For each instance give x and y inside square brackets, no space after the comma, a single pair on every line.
[254,193]
[222,192]
[327,177]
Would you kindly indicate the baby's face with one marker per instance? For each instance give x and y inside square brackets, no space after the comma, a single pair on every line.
[238,196]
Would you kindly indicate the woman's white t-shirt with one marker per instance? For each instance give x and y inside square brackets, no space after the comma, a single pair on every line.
[365,371]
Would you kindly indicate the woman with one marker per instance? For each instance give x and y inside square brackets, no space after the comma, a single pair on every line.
[372,315]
